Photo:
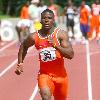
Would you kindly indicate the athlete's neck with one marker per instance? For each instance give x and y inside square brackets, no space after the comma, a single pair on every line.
[45,33]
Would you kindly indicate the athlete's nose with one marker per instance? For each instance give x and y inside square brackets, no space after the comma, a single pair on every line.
[46,20]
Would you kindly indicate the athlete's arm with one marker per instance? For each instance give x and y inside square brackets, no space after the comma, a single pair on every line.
[23,51]
[65,46]
[28,42]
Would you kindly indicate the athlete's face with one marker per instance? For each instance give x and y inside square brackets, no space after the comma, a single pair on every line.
[47,20]
[83,3]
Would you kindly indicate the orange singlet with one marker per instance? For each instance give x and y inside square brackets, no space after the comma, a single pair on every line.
[95,21]
[52,71]
[24,13]
[84,14]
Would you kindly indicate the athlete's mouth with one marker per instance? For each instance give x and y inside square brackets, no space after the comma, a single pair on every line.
[46,25]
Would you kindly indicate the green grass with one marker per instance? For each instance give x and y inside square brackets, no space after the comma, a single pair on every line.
[4,16]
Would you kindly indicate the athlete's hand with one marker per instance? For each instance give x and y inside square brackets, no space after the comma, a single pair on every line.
[19,69]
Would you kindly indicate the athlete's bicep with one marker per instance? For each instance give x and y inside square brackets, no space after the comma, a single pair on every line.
[66,43]
[64,40]
[29,41]
[66,47]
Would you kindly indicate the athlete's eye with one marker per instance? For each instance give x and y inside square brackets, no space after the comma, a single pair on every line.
[49,17]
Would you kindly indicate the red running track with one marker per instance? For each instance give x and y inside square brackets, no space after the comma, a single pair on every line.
[83,82]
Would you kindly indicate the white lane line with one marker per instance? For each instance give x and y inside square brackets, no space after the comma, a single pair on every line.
[34,93]
[11,65]
[93,53]
[5,47]
[89,72]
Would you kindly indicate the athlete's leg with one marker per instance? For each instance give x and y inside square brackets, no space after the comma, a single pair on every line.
[24,32]
[61,89]
[46,86]
[92,27]
[72,29]
[84,29]
[72,25]
[97,26]
[18,33]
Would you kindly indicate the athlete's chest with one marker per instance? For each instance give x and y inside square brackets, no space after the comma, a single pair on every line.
[46,50]
[43,43]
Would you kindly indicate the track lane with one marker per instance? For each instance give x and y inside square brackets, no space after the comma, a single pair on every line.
[20,87]
[7,54]
[77,72]
[7,44]
[95,67]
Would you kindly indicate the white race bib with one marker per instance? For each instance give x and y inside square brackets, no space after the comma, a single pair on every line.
[47,54]
[70,16]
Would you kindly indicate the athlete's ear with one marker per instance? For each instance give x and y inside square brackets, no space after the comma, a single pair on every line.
[54,23]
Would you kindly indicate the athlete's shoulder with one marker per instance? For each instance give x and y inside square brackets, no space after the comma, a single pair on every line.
[62,33]
[32,36]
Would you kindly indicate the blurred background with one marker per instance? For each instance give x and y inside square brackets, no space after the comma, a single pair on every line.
[12,7]
[13,13]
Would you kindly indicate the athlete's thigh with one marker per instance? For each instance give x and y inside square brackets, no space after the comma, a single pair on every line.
[44,81]
[61,89]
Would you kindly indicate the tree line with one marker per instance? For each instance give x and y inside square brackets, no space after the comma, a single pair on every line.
[12,7]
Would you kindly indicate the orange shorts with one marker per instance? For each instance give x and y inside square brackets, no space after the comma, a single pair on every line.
[58,85]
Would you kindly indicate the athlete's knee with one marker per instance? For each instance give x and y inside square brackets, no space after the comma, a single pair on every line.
[45,93]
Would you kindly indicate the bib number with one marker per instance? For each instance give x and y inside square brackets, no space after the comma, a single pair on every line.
[48,54]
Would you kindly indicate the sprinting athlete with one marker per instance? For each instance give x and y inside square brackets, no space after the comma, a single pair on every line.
[84,20]
[69,12]
[24,23]
[53,45]
[95,21]
[55,10]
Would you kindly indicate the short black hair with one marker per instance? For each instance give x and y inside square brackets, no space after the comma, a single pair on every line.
[47,10]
